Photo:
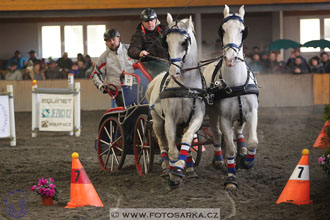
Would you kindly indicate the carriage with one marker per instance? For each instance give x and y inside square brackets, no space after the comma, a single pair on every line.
[128,130]
[179,98]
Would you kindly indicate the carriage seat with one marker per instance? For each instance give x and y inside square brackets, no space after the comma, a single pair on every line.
[134,85]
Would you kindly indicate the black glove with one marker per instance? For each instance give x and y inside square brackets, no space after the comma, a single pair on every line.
[104,88]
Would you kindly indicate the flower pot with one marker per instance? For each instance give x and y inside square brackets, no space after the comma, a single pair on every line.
[46,200]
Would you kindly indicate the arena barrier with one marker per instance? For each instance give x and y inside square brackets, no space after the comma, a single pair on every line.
[7,117]
[56,109]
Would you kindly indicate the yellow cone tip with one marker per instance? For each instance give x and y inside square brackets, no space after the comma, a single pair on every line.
[75,155]
[305,152]
[34,82]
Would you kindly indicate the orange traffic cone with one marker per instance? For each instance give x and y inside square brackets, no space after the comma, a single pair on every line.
[322,139]
[82,190]
[297,190]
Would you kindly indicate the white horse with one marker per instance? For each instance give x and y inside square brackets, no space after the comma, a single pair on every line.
[235,99]
[176,99]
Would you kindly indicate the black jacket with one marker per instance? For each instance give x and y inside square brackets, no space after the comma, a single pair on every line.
[150,41]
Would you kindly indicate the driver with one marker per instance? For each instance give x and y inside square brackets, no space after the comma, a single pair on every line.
[147,40]
[111,64]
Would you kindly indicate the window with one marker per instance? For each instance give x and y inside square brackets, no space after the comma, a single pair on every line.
[73,40]
[51,41]
[309,30]
[95,43]
[57,39]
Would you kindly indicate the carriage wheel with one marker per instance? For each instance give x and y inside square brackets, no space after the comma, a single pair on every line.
[197,150]
[111,145]
[143,146]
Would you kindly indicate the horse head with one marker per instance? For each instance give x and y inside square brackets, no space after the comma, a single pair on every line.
[179,40]
[232,33]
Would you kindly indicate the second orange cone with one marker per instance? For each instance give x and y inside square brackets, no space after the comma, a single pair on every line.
[322,139]
[82,190]
[297,189]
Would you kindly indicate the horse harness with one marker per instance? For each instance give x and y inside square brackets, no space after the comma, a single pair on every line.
[182,92]
[220,90]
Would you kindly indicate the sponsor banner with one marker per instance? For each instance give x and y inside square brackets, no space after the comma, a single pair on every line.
[4,116]
[164,213]
[56,112]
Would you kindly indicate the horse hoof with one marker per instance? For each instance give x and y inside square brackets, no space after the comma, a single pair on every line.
[231,184]
[174,181]
[219,165]
[174,184]
[192,175]
[242,163]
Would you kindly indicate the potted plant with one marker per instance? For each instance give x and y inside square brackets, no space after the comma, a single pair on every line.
[47,190]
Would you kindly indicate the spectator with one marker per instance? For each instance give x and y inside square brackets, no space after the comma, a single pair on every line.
[280,65]
[147,41]
[80,57]
[255,50]
[19,59]
[53,71]
[291,61]
[78,69]
[315,65]
[264,61]
[36,73]
[272,68]
[33,56]
[65,64]
[325,62]
[88,62]
[299,67]
[255,64]
[14,73]
[246,54]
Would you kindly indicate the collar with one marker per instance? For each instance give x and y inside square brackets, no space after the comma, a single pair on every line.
[119,51]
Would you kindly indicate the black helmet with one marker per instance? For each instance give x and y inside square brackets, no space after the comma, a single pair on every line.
[111,33]
[148,14]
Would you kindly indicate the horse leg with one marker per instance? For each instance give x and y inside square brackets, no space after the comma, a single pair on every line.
[248,161]
[217,162]
[190,171]
[176,171]
[241,144]
[226,128]
[158,127]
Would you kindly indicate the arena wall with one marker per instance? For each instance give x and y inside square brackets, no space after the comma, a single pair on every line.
[276,90]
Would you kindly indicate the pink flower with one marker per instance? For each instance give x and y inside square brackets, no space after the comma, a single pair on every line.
[52,186]
[51,179]
[33,187]
[320,160]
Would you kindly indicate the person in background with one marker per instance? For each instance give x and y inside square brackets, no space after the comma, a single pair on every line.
[325,62]
[65,64]
[280,65]
[53,71]
[111,64]
[315,65]
[272,68]
[13,73]
[19,59]
[78,69]
[80,57]
[88,62]
[36,73]
[255,64]
[299,67]
[33,56]
[264,61]
[147,40]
